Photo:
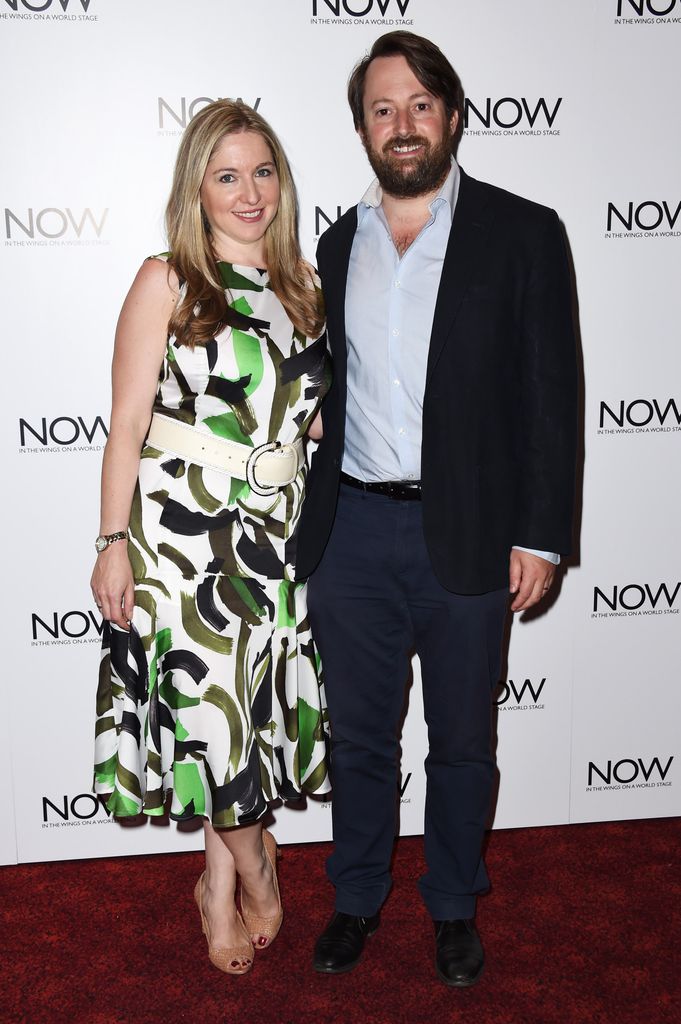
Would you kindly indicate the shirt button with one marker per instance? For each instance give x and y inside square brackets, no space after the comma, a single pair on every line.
[397,284]
[396,382]
[401,430]
[395,332]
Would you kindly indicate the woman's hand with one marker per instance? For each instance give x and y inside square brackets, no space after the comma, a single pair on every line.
[113,585]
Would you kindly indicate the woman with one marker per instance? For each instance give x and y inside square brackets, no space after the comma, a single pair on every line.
[209,681]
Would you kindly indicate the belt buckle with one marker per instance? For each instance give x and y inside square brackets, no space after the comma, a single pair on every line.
[251,462]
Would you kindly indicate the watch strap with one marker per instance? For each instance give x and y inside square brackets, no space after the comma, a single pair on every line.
[105,539]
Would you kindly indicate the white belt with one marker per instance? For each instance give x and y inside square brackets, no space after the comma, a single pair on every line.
[277,464]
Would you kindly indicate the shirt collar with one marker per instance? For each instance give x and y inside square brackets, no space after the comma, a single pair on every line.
[447,196]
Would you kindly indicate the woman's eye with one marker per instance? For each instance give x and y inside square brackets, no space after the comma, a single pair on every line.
[227,178]
[263,172]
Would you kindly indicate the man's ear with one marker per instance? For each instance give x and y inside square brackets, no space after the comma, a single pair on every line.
[454,122]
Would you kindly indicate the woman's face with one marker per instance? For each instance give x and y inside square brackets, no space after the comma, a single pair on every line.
[240,197]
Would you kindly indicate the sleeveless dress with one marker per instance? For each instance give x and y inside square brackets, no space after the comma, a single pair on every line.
[215,692]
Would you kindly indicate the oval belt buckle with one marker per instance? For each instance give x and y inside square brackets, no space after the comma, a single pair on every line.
[262,489]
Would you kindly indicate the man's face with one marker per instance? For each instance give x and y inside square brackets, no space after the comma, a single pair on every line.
[406,134]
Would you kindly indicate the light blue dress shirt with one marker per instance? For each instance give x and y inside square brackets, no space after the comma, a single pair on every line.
[389,308]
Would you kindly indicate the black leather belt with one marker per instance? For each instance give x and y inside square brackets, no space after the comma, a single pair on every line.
[401,490]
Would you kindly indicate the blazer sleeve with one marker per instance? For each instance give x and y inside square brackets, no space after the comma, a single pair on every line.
[548,398]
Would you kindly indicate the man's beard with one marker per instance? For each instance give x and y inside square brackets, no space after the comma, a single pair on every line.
[424,174]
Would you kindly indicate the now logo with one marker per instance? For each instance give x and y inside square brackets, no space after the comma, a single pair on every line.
[640,412]
[54,222]
[64,430]
[647,216]
[358,8]
[82,806]
[634,595]
[323,220]
[182,112]
[508,112]
[72,624]
[37,6]
[628,770]
[516,693]
[642,7]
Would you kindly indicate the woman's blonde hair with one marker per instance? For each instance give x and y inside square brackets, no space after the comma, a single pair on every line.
[204,309]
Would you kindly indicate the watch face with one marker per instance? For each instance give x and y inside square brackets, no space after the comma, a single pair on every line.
[100,543]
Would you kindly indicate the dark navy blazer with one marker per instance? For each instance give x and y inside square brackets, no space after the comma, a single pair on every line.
[500,402]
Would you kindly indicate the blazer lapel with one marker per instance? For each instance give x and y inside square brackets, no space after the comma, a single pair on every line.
[470,228]
[334,282]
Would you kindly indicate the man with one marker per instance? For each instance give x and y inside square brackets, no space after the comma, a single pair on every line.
[451,428]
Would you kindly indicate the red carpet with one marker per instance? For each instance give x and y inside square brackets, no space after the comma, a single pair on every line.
[583,926]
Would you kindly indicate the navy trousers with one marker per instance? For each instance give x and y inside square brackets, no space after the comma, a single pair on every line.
[373,600]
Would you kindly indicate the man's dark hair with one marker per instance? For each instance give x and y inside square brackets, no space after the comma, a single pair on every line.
[425,59]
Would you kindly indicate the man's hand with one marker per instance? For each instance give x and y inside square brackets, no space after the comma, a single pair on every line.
[316,429]
[530,577]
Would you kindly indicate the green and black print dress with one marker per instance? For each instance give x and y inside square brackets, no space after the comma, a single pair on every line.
[215,692]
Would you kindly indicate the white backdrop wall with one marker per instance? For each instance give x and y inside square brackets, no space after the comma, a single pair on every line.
[573,105]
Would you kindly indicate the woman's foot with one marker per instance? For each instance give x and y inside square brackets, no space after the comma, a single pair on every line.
[260,900]
[229,946]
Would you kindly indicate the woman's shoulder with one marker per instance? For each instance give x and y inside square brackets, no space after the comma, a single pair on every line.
[158,272]
[156,282]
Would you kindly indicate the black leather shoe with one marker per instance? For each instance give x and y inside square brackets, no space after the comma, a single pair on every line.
[340,945]
[459,958]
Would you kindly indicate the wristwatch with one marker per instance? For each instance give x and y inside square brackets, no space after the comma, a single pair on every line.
[105,539]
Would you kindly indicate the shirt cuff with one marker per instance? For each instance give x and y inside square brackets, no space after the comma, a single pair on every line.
[550,556]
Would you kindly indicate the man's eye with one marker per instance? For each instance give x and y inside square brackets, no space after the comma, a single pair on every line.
[423,106]
[382,112]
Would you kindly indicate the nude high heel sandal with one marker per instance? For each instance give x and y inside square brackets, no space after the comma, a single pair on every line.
[225,958]
[268,927]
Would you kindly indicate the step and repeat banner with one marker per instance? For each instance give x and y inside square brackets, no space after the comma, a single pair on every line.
[573,105]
